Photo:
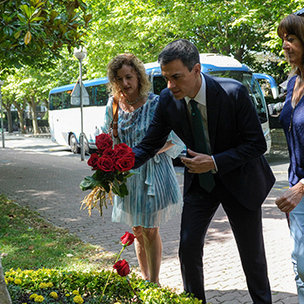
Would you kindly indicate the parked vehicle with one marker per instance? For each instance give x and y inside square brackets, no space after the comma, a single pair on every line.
[65,118]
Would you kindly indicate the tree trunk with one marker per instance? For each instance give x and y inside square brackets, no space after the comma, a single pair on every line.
[239,54]
[33,105]
[9,120]
[20,108]
[21,120]
[4,295]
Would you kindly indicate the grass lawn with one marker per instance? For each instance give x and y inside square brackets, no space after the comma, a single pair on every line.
[48,264]
[27,241]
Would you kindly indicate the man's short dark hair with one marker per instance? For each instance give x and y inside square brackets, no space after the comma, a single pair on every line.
[181,49]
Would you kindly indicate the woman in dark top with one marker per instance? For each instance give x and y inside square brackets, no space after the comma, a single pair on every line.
[291,31]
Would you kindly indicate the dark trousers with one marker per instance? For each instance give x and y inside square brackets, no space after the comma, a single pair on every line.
[199,209]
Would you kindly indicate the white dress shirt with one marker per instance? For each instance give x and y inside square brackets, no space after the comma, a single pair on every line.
[200,98]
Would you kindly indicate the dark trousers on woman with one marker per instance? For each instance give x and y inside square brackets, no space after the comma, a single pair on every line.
[199,209]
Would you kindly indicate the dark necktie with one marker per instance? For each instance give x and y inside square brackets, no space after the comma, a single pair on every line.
[205,179]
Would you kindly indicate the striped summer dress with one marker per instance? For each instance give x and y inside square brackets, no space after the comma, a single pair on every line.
[154,194]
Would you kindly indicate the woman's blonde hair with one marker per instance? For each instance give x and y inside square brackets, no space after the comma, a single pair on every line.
[292,25]
[131,60]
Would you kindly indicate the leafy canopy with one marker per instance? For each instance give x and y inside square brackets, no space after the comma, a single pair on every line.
[33,32]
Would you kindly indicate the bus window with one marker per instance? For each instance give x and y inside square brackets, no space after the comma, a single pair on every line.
[65,125]
[253,88]
[159,83]
[91,92]
[60,101]
[55,101]
[101,95]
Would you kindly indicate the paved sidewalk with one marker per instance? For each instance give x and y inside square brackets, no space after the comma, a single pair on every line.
[48,184]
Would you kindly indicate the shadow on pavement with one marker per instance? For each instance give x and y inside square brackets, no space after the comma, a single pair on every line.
[242,296]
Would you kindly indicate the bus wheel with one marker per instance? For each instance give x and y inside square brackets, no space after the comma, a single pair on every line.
[73,144]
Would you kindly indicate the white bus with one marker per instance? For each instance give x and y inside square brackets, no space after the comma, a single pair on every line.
[64,118]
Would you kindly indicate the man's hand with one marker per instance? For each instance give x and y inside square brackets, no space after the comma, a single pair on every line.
[199,163]
[290,198]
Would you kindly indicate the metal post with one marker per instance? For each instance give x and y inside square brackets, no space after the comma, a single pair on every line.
[82,151]
[80,54]
[2,128]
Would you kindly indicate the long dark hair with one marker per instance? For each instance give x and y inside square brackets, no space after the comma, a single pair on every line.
[292,25]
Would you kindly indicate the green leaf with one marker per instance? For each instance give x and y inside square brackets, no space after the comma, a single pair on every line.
[89,182]
[26,10]
[17,34]
[123,190]
[105,185]
[37,19]
[120,177]
[116,188]
[130,173]
[53,15]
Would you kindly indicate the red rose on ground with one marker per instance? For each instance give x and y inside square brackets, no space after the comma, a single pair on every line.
[106,164]
[122,268]
[103,141]
[127,238]
[121,150]
[92,161]
[125,163]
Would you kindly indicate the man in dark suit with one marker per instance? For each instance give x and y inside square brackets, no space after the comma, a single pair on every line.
[228,169]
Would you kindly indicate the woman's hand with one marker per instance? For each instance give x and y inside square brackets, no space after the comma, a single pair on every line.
[166,147]
[290,198]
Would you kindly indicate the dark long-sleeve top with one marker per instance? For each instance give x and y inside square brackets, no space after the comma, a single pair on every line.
[292,120]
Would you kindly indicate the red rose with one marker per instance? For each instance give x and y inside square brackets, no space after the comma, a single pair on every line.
[109,152]
[122,268]
[92,161]
[103,141]
[106,164]
[127,238]
[121,150]
[125,163]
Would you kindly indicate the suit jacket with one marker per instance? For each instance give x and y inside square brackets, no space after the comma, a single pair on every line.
[236,138]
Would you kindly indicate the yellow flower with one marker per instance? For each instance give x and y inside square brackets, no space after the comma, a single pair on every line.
[54,295]
[10,279]
[27,271]
[33,296]
[67,294]
[39,299]
[50,284]
[43,285]
[75,292]
[17,281]
[78,299]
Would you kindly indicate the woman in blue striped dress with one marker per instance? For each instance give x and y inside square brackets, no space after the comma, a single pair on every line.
[154,194]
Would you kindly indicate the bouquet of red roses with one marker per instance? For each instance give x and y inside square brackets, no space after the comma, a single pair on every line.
[112,167]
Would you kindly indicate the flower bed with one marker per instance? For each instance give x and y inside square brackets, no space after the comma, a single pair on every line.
[55,286]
